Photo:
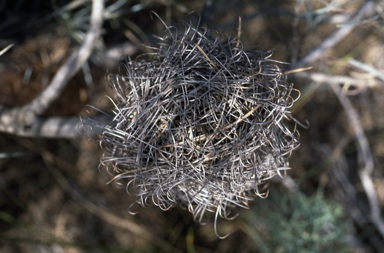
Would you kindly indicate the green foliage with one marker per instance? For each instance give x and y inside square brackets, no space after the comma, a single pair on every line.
[6,217]
[294,222]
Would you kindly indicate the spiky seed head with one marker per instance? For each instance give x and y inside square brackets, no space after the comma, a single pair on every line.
[200,123]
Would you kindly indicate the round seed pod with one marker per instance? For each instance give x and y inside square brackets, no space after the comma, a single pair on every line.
[200,123]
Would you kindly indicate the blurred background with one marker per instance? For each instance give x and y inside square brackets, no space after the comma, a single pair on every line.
[54,197]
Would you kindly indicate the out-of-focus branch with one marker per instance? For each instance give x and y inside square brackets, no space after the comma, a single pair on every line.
[329,79]
[99,211]
[367,68]
[356,84]
[365,159]
[345,192]
[110,56]
[51,127]
[368,9]
[26,120]
[6,49]
[73,64]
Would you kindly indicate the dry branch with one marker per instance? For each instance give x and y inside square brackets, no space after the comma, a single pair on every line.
[102,212]
[368,9]
[26,120]
[365,159]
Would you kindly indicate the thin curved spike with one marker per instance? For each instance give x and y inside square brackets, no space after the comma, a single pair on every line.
[215,224]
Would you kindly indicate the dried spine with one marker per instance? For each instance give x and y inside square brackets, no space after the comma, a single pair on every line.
[199,123]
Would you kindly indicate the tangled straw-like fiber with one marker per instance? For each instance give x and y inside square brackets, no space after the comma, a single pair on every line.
[199,123]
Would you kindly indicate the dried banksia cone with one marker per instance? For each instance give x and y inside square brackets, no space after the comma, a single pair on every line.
[199,123]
